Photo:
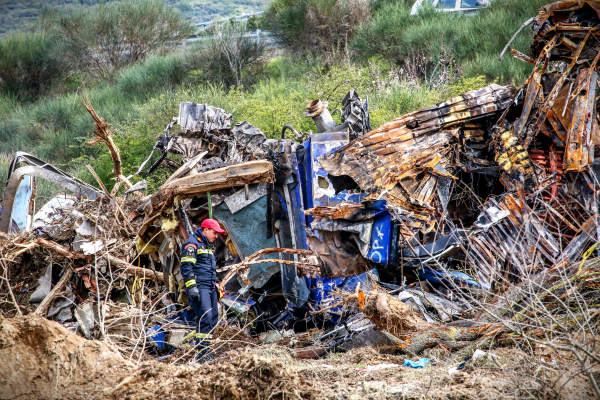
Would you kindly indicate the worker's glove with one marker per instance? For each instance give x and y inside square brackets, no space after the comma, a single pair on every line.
[220,291]
[194,294]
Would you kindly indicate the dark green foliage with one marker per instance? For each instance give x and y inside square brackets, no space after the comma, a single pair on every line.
[474,41]
[285,19]
[157,72]
[102,40]
[316,26]
[92,43]
[229,56]
[27,68]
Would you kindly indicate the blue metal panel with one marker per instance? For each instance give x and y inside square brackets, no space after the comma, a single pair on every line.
[156,335]
[443,277]
[297,207]
[306,171]
[379,249]
[321,145]
[20,210]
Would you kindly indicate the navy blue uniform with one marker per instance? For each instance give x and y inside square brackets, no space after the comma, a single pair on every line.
[199,269]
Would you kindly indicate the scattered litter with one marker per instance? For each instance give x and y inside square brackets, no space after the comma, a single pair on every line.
[371,368]
[416,364]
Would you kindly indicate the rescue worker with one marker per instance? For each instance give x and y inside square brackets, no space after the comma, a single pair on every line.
[198,269]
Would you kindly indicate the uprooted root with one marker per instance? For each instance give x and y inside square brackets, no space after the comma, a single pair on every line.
[392,315]
[412,334]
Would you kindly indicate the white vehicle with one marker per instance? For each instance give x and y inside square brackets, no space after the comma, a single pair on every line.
[451,5]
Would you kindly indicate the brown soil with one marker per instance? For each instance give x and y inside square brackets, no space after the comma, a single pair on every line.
[39,359]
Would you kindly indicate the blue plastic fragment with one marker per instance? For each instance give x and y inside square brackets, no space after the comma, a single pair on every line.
[416,364]
[156,335]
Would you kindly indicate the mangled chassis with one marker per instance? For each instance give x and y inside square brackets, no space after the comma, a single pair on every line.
[541,150]
[179,189]
[533,227]
[37,168]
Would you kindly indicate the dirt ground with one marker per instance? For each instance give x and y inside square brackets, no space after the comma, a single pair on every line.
[39,359]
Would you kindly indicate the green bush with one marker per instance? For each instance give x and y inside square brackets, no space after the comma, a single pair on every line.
[474,41]
[7,105]
[27,68]
[228,56]
[316,26]
[103,39]
[157,72]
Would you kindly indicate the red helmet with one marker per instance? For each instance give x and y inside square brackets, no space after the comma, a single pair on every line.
[212,224]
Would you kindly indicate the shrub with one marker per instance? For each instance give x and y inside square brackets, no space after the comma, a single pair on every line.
[316,26]
[229,56]
[474,41]
[103,39]
[156,72]
[27,68]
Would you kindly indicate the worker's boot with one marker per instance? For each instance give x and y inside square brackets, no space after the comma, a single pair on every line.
[204,352]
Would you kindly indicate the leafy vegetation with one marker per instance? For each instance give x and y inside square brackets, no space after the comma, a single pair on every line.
[20,15]
[87,44]
[27,67]
[474,41]
[316,26]
[469,44]
[400,62]
[229,56]
[101,40]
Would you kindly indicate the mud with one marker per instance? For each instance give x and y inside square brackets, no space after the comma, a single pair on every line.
[39,359]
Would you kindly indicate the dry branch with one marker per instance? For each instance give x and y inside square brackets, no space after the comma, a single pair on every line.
[103,135]
[133,270]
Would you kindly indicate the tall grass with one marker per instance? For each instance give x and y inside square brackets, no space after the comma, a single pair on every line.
[27,68]
[56,128]
[156,73]
[474,41]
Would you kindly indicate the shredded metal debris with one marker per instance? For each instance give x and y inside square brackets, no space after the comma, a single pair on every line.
[354,237]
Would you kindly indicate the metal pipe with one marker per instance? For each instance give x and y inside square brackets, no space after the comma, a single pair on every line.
[317,110]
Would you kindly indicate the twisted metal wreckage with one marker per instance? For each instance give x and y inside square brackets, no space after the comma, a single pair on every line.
[474,194]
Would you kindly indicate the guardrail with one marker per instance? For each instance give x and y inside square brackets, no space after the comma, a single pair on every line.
[239,17]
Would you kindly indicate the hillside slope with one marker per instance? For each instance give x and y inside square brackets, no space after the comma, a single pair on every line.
[19,15]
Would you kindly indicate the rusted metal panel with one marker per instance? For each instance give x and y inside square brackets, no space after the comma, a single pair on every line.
[580,141]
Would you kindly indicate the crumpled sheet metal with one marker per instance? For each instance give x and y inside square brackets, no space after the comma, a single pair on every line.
[194,185]
[360,231]
[559,8]
[541,150]
[338,257]
[508,229]
[194,117]
[207,129]
[395,151]
[349,211]
[342,211]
